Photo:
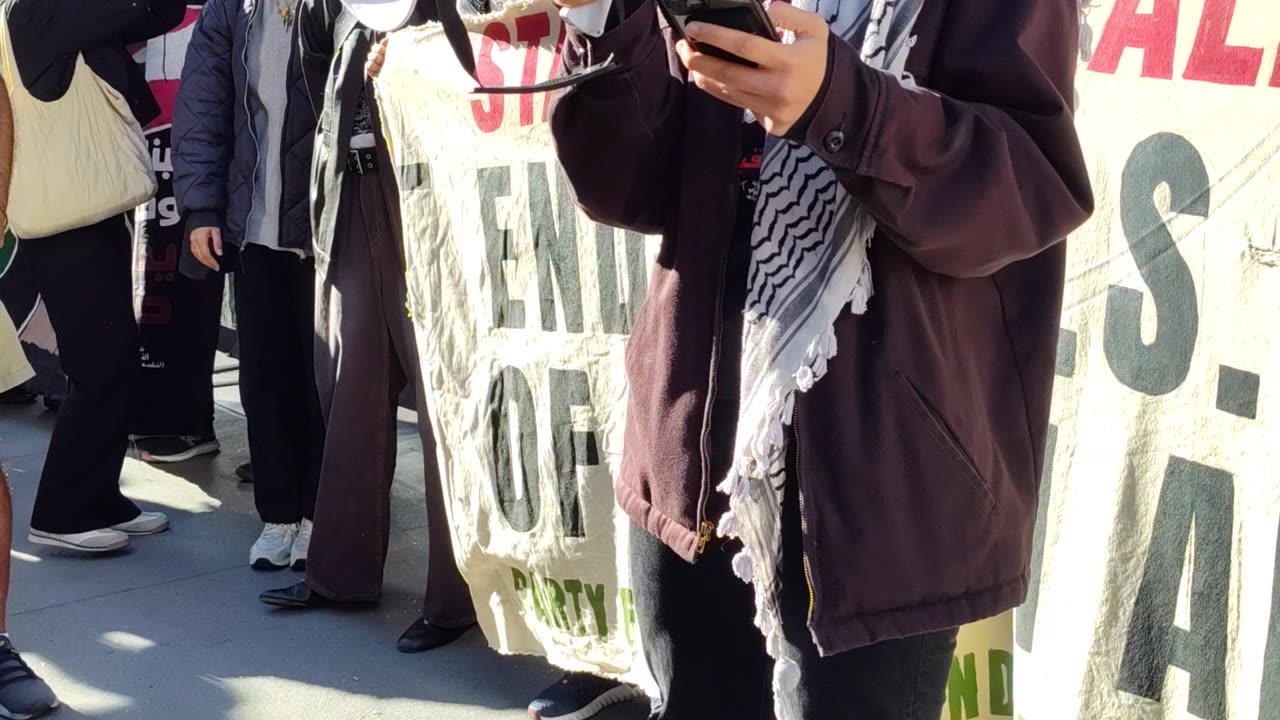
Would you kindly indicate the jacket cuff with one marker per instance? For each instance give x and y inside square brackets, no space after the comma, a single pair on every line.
[201,219]
[844,122]
[800,130]
[629,43]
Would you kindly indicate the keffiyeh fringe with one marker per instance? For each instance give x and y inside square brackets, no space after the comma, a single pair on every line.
[808,263]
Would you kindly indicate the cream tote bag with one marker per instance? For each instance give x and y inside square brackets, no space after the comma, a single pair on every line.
[77,160]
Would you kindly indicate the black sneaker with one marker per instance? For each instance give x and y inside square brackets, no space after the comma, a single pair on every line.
[244,473]
[579,696]
[175,448]
[23,696]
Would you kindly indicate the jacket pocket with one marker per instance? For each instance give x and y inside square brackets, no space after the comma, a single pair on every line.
[946,438]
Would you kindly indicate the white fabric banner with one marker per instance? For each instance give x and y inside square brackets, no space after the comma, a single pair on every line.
[1153,589]
[522,308]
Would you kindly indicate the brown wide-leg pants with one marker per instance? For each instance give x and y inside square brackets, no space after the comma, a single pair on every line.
[365,356]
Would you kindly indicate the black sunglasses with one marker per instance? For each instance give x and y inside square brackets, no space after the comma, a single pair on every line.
[456,31]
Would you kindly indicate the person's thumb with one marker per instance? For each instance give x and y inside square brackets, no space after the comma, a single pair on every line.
[216,235]
[802,22]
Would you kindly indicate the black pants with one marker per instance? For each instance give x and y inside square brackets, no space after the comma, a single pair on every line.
[177,399]
[275,304]
[85,279]
[709,660]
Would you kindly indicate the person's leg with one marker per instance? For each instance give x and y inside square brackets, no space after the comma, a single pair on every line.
[6,544]
[84,277]
[310,428]
[181,393]
[21,692]
[703,648]
[266,337]
[447,599]
[206,298]
[357,394]
[176,424]
[903,679]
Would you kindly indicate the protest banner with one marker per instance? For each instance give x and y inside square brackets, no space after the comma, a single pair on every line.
[522,308]
[1154,589]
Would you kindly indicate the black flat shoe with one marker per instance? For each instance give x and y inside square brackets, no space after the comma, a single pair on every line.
[423,636]
[298,595]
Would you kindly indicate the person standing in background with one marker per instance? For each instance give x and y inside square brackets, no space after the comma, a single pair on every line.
[179,317]
[22,693]
[241,156]
[366,348]
[64,49]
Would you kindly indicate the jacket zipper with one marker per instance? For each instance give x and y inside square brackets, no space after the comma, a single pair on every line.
[248,117]
[804,525]
[706,528]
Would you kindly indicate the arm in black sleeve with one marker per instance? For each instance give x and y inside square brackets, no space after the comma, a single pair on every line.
[162,16]
[47,29]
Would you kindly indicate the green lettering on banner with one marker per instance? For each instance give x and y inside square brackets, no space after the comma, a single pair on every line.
[962,688]
[549,600]
[539,602]
[628,613]
[1000,668]
[574,588]
[595,596]
[558,606]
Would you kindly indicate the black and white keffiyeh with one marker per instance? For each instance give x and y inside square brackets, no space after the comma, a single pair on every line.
[808,263]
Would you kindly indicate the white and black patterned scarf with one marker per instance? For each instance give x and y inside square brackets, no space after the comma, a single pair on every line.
[808,263]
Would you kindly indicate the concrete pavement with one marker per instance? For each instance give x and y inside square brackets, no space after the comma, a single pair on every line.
[172,627]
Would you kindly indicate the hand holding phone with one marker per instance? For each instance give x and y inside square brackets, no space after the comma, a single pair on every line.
[746,16]
[776,81]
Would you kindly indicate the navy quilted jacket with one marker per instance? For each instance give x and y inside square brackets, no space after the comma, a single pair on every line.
[214,152]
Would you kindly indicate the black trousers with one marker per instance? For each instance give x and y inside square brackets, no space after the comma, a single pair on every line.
[709,660]
[85,279]
[275,304]
[178,398]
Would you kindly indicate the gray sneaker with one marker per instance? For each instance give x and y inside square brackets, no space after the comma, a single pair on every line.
[23,696]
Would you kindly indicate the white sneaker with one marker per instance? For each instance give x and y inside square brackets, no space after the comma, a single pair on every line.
[147,523]
[94,541]
[274,547]
[301,544]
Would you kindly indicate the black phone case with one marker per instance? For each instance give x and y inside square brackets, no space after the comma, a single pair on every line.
[748,18]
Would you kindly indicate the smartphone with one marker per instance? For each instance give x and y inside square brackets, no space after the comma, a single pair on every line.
[748,16]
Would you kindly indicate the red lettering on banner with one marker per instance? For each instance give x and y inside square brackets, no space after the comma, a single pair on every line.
[1212,59]
[531,30]
[1155,33]
[555,67]
[1275,73]
[490,119]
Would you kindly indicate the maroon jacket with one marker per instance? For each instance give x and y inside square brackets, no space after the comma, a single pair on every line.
[919,454]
